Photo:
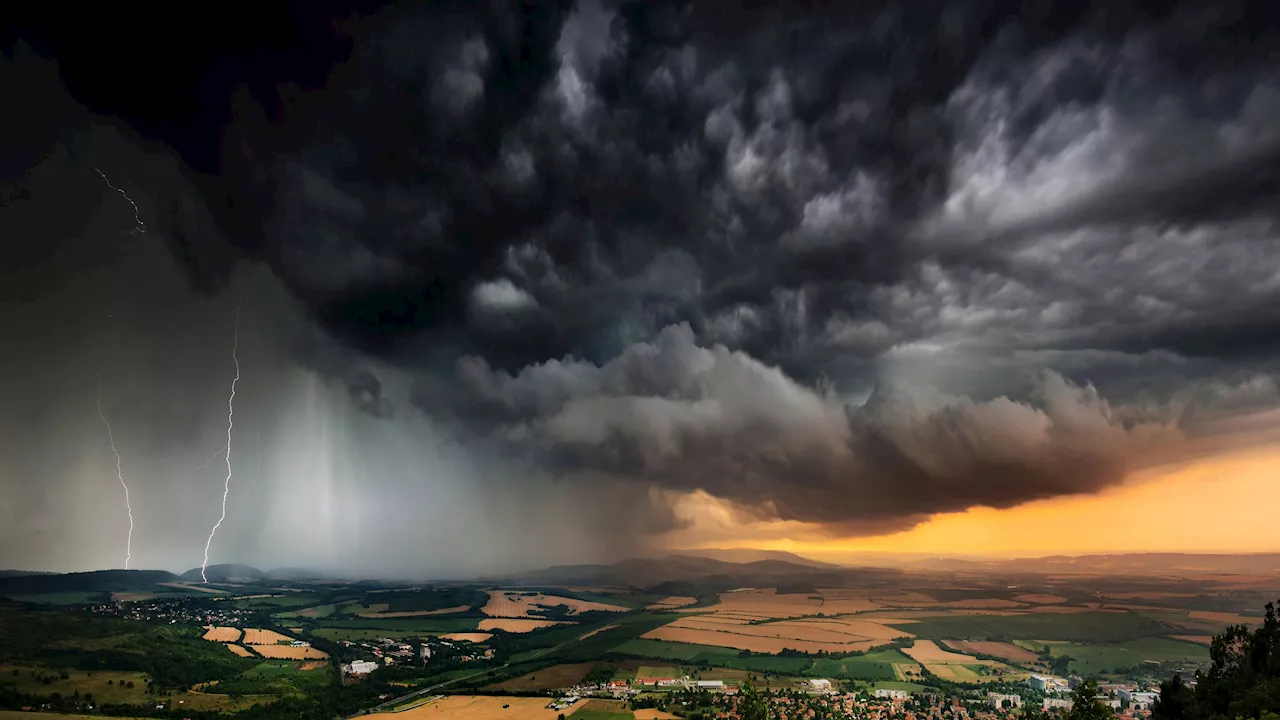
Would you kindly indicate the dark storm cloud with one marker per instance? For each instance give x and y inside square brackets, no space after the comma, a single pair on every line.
[688,417]
[681,244]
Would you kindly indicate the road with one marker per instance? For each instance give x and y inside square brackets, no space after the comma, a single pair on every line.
[424,691]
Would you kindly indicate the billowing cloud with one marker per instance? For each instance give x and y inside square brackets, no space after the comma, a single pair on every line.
[710,419]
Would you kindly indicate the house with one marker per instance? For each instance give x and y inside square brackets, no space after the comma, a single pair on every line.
[820,685]
[1052,703]
[1047,683]
[1139,700]
[1001,701]
[360,667]
[891,694]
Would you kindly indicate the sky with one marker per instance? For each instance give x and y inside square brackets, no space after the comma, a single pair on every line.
[510,285]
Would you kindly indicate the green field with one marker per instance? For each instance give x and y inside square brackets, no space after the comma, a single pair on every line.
[311,613]
[716,656]
[658,671]
[876,665]
[105,686]
[410,625]
[60,598]
[601,715]
[894,685]
[1097,658]
[18,715]
[1085,627]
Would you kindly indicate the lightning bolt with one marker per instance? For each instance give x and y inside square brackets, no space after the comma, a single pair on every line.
[138,227]
[128,547]
[226,487]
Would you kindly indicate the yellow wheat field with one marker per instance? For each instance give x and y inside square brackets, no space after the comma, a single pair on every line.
[287,652]
[482,707]
[927,652]
[242,652]
[516,625]
[256,636]
[475,637]
[512,604]
[221,634]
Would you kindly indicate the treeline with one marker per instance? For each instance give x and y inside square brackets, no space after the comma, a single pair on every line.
[897,644]
[1243,679]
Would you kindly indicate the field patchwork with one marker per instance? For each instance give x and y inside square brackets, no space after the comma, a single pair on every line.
[480,707]
[287,652]
[516,625]
[517,604]
[221,634]
[257,636]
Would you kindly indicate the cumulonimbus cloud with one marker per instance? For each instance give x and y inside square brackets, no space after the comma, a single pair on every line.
[686,417]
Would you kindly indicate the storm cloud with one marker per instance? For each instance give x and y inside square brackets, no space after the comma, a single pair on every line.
[852,266]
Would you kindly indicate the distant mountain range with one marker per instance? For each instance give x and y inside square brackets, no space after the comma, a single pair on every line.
[710,569]
[746,555]
[1120,564]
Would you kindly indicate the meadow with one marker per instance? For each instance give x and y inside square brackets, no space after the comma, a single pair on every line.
[1097,658]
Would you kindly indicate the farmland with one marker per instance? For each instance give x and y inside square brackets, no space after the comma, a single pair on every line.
[286,652]
[516,625]
[222,634]
[517,604]
[1097,658]
[477,707]
[256,636]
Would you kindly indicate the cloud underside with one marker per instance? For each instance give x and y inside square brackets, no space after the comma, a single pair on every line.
[690,418]
[851,267]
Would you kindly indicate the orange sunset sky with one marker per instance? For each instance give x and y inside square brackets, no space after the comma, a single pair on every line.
[1225,503]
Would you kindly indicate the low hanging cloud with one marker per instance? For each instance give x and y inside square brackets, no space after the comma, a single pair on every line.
[685,417]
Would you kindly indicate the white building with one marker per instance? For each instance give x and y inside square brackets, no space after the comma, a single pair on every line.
[710,684]
[360,667]
[891,694]
[820,685]
[1048,683]
[1052,703]
[1139,700]
[1001,700]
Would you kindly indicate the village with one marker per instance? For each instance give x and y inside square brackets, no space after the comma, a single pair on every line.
[818,697]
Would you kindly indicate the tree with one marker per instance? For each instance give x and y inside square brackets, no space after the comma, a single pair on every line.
[1085,704]
[750,705]
[1243,679]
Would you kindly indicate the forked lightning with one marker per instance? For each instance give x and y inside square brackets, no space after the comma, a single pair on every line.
[128,546]
[138,227]
[226,487]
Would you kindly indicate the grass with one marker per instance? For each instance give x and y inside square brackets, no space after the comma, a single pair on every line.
[410,625]
[28,681]
[60,598]
[894,685]
[600,715]
[1085,627]
[1099,658]
[717,656]
[872,666]
[273,668]
[319,611]
[18,715]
